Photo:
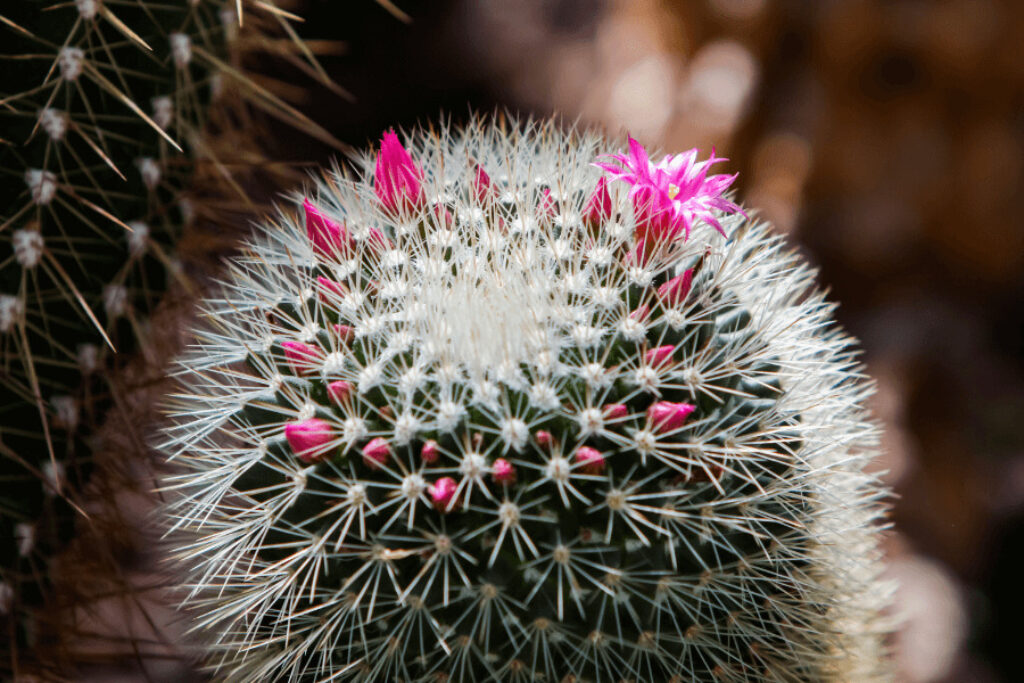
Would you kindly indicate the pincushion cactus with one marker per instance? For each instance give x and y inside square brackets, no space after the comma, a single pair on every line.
[500,406]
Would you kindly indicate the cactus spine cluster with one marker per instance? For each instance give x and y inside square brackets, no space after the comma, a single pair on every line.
[472,413]
[104,111]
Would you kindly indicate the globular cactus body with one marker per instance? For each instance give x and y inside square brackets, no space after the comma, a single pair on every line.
[485,417]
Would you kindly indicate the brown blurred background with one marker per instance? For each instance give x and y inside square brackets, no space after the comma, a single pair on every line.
[886,138]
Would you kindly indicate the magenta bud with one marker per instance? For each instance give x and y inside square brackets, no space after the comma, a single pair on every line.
[590,460]
[599,206]
[444,216]
[428,453]
[339,390]
[503,471]
[659,356]
[376,453]
[481,185]
[443,492]
[327,236]
[302,358]
[397,180]
[309,439]
[640,313]
[543,438]
[675,290]
[615,411]
[344,332]
[666,416]
[547,207]
[330,288]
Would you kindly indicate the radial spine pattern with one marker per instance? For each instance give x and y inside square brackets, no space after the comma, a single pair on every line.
[468,415]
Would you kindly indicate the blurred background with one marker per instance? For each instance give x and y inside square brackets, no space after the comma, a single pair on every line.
[884,137]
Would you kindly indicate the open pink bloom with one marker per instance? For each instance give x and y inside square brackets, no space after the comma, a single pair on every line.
[599,206]
[675,290]
[397,180]
[503,471]
[310,439]
[327,236]
[590,460]
[302,358]
[339,390]
[376,453]
[443,492]
[429,452]
[666,416]
[659,356]
[671,196]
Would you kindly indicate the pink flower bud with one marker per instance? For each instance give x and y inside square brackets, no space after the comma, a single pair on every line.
[339,390]
[444,217]
[599,206]
[675,290]
[641,313]
[543,437]
[302,358]
[377,240]
[398,181]
[547,208]
[503,471]
[376,453]
[327,236]
[309,439]
[429,452]
[659,356]
[330,289]
[482,185]
[344,332]
[442,493]
[615,411]
[590,460]
[666,416]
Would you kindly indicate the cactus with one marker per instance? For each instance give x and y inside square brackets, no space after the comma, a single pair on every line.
[473,412]
[107,110]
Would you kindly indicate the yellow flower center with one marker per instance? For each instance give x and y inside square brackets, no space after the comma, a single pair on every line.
[673,190]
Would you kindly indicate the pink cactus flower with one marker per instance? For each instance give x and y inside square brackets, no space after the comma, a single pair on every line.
[659,356]
[442,493]
[482,188]
[615,411]
[503,471]
[675,290]
[547,207]
[328,237]
[640,313]
[398,180]
[339,390]
[428,453]
[376,453]
[590,460]
[343,332]
[444,217]
[310,439]
[599,207]
[665,416]
[671,196]
[302,358]
[330,288]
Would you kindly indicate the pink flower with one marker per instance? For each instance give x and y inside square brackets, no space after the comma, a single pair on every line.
[543,438]
[547,207]
[666,416]
[302,358]
[376,453]
[310,439]
[615,411]
[429,452]
[590,460]
[599,206]
[675,290]
[503,471]
[640,313]
[330,288]
[482,185]
[442,493]
[339,390]
[344,332]
[398,181]
[670,197]
[444,217]
[659,356]
[328,237]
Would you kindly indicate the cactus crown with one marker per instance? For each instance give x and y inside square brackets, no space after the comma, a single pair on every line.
[474,415]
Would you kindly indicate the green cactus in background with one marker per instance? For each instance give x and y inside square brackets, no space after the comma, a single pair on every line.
[110,111]
[477,414]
